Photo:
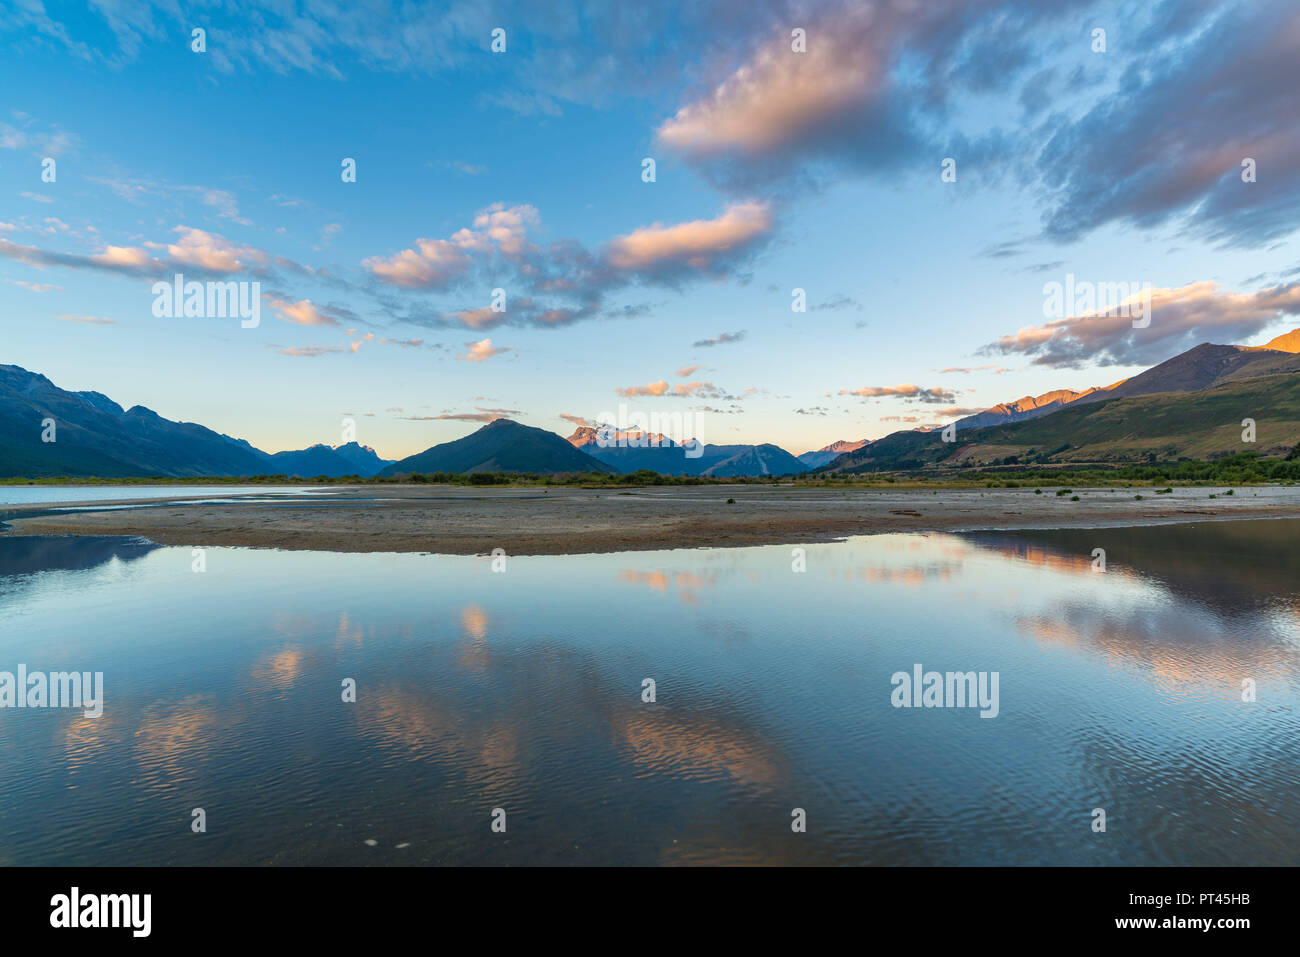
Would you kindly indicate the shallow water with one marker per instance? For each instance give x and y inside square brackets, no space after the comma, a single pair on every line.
[521,690]
[42,494]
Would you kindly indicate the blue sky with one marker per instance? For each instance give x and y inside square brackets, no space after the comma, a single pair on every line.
[522,170]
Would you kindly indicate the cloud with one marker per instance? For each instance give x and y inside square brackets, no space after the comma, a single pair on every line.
[564,281]
[1180,319]
[125,257]
[303,312]
[1215,85]
[34,286]
[684,372]
[208,252]
[309,352]
[965,370]
[440,263]
[484,317]
[871,92]
[578,420]
[458,417]
[469,169]
[705,390]
[433,263]
[226,205]
[88,320]
[327,234]
[781,104]
[907,392]
[720,340]
[702,245]
[838,301]
[654,388]
[482,350]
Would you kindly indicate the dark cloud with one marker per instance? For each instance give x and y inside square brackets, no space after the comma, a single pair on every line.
[1169,142]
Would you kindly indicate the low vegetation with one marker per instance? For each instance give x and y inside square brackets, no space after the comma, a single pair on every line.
[1244,468]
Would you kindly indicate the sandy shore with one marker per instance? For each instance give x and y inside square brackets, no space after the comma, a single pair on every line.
[532,521]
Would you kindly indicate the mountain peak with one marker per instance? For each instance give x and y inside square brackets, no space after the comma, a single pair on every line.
[1287,342]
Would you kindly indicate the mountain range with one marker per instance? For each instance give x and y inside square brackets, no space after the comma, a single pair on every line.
[501,446]
[829,453]
[632,450]
[91,435]
[1199,368]
[1191,405]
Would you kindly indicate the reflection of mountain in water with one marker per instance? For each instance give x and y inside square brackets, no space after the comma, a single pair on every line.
[1235,569]
[25,554]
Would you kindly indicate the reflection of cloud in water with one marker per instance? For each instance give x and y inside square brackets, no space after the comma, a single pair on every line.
[687,584]
[348,634]
[172,736]
[84,739]
[655,580]
[913,576]
[281,669]
[1177,647]
[473,649]
[487,754]
[699,748]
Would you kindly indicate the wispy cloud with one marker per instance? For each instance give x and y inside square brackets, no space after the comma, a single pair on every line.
[720,340]
[86,320]
[906,391]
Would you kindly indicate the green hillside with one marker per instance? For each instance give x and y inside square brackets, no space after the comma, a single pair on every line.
[1164,427]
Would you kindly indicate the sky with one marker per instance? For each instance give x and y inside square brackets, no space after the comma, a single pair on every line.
[916,172]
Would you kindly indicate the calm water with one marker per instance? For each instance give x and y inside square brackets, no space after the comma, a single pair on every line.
[521,690]
[40,494]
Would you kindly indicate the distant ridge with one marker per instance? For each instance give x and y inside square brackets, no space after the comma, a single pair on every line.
[758,460]
[632,450]
[332,462]
[828,453]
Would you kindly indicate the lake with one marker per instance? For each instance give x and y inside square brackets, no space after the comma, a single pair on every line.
[42,494]
[522,690]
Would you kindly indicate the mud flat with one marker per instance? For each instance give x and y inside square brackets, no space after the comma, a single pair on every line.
[558,521]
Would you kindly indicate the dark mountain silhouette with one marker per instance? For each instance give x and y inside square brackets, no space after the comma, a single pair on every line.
[758,460]
[363,459]
[502,446]
[349,459]
[94,436]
